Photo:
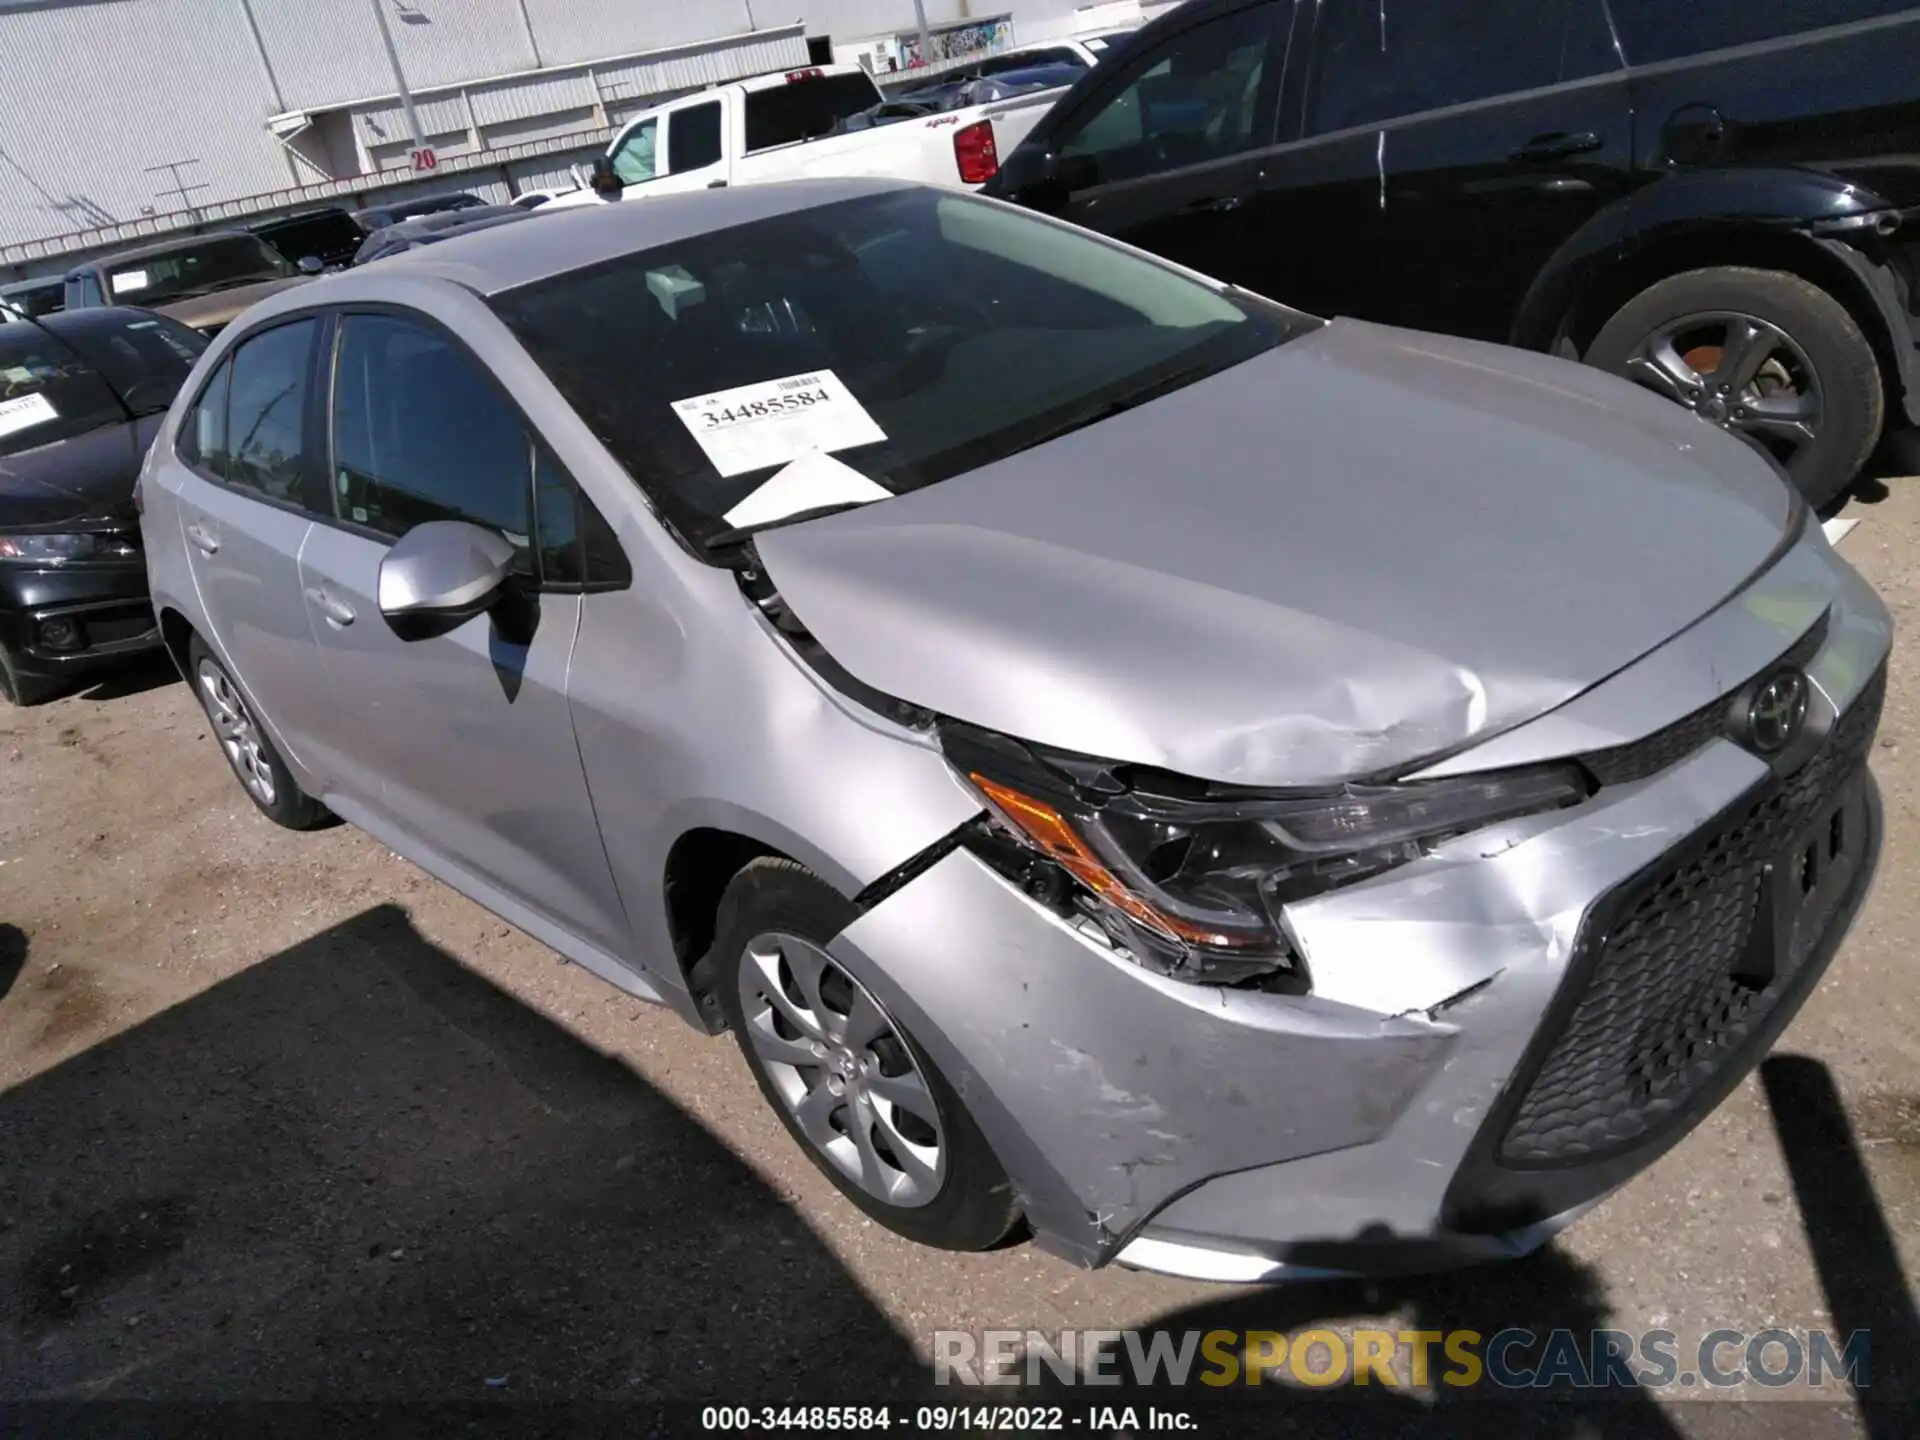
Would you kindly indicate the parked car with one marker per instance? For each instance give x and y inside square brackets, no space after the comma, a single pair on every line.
[813,122]
[81,394]
[1238,790]
[1719,204]
[378,217]
[31,299]
[1008,83]
[1079,54]
[430,229]
[534,199]
[202,281]
[330,235]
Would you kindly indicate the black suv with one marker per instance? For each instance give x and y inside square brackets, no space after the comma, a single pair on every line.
[1719,199]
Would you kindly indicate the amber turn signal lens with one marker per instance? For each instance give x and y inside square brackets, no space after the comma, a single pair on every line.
[1050,833]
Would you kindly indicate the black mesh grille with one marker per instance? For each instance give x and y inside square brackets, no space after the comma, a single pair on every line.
[1669,997]
[1642,758]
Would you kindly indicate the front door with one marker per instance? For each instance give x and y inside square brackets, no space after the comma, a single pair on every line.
[245,485]
[462,743]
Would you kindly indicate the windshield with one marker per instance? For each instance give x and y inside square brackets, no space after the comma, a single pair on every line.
[181,274]
[47,392]
[322,236]
[914,335]
[805,109]
[35,300]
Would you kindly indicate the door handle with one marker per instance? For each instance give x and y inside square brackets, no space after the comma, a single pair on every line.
[1558,145]
[338,613]
[1213,205]
[204,538]
[716,184]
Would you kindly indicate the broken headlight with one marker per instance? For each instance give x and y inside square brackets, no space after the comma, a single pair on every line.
[1192,879]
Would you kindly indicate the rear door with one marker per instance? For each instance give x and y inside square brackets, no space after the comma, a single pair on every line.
[1164,155]
[248,481]
[1765,82]
[1442,153]
[462,743]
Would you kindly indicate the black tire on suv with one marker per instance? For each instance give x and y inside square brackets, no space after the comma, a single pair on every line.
[1764,354]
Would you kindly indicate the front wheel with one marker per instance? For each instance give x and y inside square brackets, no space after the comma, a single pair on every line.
[846,1079]
[1762,354]
[256,764]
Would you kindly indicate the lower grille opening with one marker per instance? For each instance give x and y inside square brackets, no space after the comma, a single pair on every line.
[1692,961]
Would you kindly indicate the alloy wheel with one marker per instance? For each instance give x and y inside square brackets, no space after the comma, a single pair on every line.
[1739,372]
[239,736]
[847,1077]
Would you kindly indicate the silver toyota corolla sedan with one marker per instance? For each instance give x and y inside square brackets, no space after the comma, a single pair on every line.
[1245,795]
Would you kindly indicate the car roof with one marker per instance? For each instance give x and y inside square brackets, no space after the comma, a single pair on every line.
[21,287]
[166,247]
[503,257]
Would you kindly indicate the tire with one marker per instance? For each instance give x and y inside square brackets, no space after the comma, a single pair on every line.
[262,774]
[1813,350]
[950,1193]
[23,690]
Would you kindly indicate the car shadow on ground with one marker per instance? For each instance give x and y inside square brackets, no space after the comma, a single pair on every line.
[359,1174]
[357,1171]
[146,671]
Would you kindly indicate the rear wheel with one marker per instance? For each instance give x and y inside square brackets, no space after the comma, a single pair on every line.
[1762,354]
[850,1084]
[256,764]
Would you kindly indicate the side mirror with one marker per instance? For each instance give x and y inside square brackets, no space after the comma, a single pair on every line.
[605,182]
[440,575]
[310,264]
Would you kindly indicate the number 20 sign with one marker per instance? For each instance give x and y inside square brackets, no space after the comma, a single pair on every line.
[424,159]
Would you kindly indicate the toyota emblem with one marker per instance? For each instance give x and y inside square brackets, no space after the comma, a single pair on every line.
[1778,710]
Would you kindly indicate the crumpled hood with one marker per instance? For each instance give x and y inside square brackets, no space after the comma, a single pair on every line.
[86,478]
[1360,549]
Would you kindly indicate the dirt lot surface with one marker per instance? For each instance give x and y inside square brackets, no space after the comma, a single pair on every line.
[282,1118]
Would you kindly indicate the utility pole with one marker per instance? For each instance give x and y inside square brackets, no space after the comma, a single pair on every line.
[926,42]
[399,77]
[180,187]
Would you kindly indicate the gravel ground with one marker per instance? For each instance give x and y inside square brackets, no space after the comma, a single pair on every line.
[283,1119]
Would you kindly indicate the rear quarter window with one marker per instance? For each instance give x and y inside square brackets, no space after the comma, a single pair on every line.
[804,109]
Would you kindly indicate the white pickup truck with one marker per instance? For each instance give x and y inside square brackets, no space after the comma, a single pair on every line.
[817,121]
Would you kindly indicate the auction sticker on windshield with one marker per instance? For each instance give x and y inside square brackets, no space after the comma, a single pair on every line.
[753,426]
[28,410]
[129,280]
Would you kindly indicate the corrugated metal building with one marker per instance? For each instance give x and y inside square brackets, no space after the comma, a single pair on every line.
[126,118]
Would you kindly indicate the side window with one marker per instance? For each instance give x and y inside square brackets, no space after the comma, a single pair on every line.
[577,546]
[693,138]
[1381,59]
[1196,98]
[633,161]
[202,440]
[420,433]
[1655,30]
[266,412]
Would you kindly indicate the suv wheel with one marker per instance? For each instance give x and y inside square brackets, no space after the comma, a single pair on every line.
[256,764]
[845,1078]
[1760,353]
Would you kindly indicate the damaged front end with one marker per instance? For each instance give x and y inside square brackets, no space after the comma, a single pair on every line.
[1192,880]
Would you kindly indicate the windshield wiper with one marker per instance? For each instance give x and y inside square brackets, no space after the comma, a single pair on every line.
[1117,404]
[739,534]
